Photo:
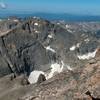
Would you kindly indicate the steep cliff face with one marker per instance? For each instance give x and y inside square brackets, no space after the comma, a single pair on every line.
[34,44]
[64,57]
[83,83]
[80,84]
[22,46]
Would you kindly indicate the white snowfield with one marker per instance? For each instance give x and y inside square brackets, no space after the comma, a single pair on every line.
[33,77]
[87,56]
[36,24]
[50,49]
[55,68]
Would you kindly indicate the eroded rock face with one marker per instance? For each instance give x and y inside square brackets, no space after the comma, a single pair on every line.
[33,43]
[82,83]
[23,48]
[4,68]
[37,44]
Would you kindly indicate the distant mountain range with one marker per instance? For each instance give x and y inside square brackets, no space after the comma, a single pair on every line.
[54,16]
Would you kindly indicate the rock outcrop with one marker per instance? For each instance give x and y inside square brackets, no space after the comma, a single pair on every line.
[33,44]
[82,83]
[67,55]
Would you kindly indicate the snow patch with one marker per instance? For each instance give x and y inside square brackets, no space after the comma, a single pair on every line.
[78,45]
[87,40]
[58,23]
[55,68]
[50,36]
[34,75]
[69,68]
[67,26]
[87,56]
[36,24]
[50,49]
[16,20]
[72,48]
[75,46]
[69,30]
[37,31]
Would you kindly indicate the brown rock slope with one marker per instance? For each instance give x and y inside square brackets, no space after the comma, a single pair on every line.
[72,85]
[79,84]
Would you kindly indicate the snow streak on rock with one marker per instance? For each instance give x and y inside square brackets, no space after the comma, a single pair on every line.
[50,49]
[72,48]
[55,68]
[87,56]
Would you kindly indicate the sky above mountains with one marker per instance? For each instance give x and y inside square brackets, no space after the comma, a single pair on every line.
[90,7]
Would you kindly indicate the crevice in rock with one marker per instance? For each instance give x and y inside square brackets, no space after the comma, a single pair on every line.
[89,94]
[25,47]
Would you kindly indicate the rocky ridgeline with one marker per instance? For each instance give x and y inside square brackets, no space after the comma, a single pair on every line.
[33,44]
[34,50]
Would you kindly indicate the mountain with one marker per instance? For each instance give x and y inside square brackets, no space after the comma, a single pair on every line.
[37,55]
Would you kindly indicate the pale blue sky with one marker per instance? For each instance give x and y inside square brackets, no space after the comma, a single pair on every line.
[59,6]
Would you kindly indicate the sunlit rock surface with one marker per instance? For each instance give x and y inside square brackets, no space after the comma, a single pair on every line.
[66,54]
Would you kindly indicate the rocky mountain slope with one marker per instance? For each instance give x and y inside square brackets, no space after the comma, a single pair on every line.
[35,49]
[83,83]
[34,43]
[80,84]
